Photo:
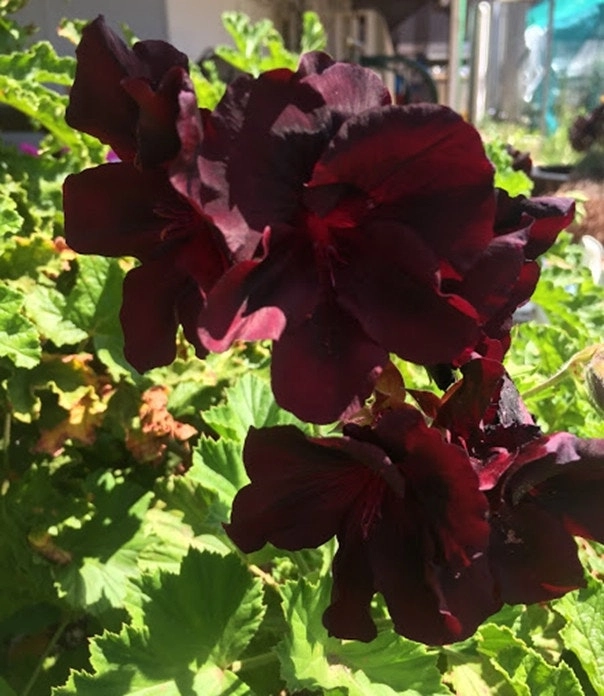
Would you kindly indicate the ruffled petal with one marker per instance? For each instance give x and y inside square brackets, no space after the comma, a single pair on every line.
[544,218]
[428,161]
[256,299]
[98,104]
[534,559]
[325,366]
[155,297]
[563,474]
[111,209]
[386,278]
[299,493]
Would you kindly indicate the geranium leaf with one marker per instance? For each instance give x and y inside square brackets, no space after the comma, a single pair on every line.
[219,468]
[106,548]
[10,220]
[128,681]
[249,401]
[24,80]
[45,306]
[19,340]
[192,627]
[311,660]
[5,689]
[528,671]
[93,306]
[210,610]
[583,633]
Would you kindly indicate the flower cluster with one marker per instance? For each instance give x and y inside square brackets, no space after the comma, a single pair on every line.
[308,210]
[446,521]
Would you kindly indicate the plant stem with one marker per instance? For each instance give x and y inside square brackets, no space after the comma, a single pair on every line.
[47,651]
[254,662]
[6,441]
[578,359]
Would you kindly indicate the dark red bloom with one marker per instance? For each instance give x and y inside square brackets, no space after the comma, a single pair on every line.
[407,512]
[130,99]
[542,489]
[127,98]
[118,210]
[362,229]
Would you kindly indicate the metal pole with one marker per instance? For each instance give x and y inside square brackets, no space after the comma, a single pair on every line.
[457,33]
[549,55]
[480,61]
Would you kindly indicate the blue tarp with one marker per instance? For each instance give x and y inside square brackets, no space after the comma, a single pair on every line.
[577,68]
[567,13]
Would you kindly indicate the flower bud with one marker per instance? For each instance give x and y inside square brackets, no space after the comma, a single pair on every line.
[594,378]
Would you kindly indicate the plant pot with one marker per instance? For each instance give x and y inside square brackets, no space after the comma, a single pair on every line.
[549,178]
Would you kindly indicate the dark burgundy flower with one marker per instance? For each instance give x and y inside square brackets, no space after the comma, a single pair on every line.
[127,98]
[406,510]
[362,229]
[131,99]
[542,489]
[552,491]
[505,274]
[116,210]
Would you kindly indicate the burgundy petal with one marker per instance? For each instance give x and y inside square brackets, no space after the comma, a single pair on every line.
[564,474]
[347,89]
[428,159]
[427,600]
[325,366]
[545,217]
[263,139]
[386,278]
[154,296]
[98,104]
[255,299]
[157,137]
[489,283]
[444,484]
[465,405]
[349,614]
[111,209]
[534,559]
[299,493]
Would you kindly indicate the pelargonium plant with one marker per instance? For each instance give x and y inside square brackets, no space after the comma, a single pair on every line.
[308,210]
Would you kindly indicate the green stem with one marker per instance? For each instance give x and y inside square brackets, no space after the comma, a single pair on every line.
[578,359]
[47,651]
[383,623]
[267,658]
[6,434]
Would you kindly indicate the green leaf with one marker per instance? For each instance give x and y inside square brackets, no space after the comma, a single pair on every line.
[93,305]
[19,339]
[311,660]
[45,306]
[5,689]
[314,36]
[106,548]
[127,680]
[249,402]
[10,220]
[528,671]
[24,76]
[193,626]
[584,634]
[219,468]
